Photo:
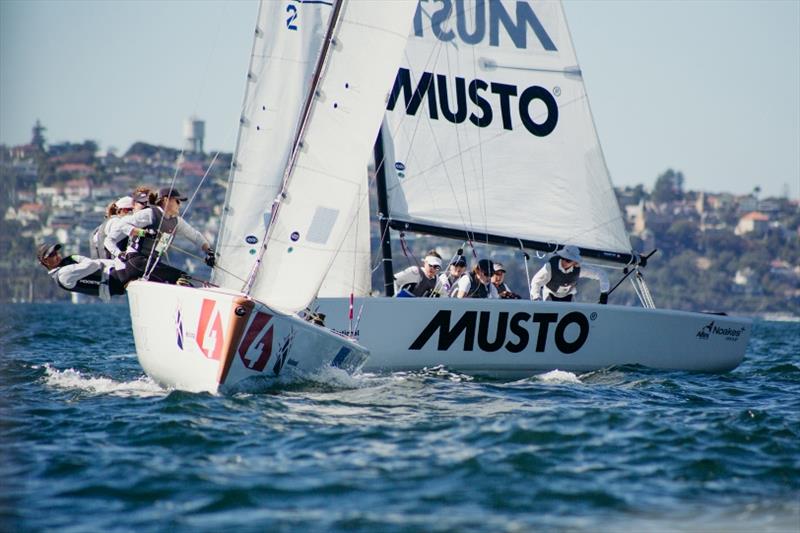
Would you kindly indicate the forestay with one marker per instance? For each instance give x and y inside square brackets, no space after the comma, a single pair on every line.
[325,186]
[286,47]
[490,129]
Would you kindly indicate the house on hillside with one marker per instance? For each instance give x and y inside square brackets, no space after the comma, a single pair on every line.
[78,189]
[754,222]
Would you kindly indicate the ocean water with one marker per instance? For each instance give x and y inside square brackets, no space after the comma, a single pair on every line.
[89,443]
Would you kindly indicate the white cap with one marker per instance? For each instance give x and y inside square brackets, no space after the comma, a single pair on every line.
[570,253]
[433,260]
[126,202]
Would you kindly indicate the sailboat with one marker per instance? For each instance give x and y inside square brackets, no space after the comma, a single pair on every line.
[318,80]
[489,138]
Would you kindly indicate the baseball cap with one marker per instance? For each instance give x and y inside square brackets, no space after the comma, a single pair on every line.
[498,267]
[168,192]
[126,202]
[459,261]
[486,266]
[141,198]
[46,250]
[433,260]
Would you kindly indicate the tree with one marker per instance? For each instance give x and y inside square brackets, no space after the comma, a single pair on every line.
[668,187]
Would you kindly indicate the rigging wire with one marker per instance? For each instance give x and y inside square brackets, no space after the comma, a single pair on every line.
[202,87]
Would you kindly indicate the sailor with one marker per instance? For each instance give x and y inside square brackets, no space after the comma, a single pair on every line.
[117,230]
[498,280]
[454,272]
[151,230]
[421,282]
[478,283]
[557,280]
[99,248]
[76,273]
[97,236]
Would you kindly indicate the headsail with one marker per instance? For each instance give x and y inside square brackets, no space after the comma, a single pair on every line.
[286,47]
[491,130]
[350,272]
[324,189]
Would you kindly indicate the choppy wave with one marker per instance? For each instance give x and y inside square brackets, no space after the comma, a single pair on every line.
[90,444]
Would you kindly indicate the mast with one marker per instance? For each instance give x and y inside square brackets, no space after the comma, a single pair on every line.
[383,217]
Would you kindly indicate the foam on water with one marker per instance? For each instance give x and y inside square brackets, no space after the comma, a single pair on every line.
[73,379]
[558,376]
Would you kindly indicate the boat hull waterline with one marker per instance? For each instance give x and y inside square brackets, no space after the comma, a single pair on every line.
[514,339]
[202,339]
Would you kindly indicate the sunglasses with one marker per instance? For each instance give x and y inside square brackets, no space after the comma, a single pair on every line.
[435,267]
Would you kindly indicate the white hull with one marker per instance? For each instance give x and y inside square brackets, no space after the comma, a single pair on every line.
[517,338]
[214,340]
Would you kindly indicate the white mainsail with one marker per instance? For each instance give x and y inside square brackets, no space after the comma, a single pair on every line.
[324,187]
[489,129]
[286,48]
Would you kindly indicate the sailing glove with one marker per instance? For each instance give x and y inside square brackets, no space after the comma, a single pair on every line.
[211,258]
[603,298]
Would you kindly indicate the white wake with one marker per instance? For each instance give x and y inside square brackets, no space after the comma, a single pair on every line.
[70,378]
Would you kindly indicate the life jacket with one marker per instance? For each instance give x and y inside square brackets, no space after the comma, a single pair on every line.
[96,239]
[476,288]
[161,224]
[559,279]
[88,285]
[424,287]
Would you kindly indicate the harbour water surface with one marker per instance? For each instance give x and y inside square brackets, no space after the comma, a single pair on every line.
[91,444]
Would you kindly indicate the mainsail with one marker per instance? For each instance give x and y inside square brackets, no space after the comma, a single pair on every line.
[321,189]
[489,131]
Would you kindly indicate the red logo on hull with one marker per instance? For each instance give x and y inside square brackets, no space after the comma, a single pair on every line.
[210,339]
[259,338]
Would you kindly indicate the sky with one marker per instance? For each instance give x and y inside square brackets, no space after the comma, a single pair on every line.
[707,87]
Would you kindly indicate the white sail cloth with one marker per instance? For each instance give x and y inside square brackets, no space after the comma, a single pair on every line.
[350,272]
[490,131]
[286,49]
[326,189]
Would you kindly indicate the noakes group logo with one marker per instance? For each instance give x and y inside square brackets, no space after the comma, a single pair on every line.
[730,334]
[705,331]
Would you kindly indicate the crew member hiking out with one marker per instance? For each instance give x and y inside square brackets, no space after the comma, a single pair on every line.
[117,229]
[557,280]
[152,230]
[114,213]
[76,273]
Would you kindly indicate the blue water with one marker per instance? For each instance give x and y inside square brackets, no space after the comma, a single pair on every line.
[88,443]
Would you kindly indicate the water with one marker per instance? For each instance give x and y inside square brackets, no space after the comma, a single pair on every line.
[91,444]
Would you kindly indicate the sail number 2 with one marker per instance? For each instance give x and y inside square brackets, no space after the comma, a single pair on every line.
[291,10]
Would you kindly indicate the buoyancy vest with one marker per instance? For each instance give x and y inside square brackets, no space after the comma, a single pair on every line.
[559,279]
[476,288]
[96,239]
[159,223]
[87,285]
[97,246]
[424,287]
